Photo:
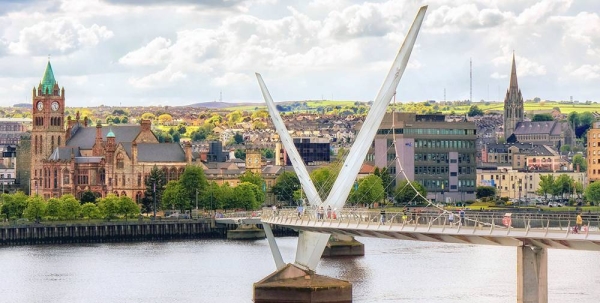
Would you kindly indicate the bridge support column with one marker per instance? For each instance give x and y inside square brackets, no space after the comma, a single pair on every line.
[532,274]
[246,232]
[343,246]
[292,284]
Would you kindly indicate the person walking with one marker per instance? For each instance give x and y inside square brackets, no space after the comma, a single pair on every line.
[300,210]
[578,223]
[328,211]
[320,213]
[451,218]
[461,213]
[382,214]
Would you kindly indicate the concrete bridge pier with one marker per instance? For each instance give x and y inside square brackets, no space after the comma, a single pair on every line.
[292,284]
[532,274]
[343,246]
[246,232]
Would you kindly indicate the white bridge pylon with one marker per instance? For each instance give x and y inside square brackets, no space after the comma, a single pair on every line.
[311,244]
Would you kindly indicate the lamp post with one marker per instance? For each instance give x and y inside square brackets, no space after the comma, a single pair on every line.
[154,194]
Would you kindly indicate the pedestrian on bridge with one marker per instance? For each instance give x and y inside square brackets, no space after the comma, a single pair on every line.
[578,223]
[382,213]
[451,218]
[461,213]
[300,210]
[320,213]
[328,211]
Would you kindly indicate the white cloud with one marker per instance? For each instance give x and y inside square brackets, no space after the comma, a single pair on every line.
[496,75]
[467,16]
[163,78]
[231,79]
[587,72]
[58,35]
[525,67]
[154,53]
[542,9]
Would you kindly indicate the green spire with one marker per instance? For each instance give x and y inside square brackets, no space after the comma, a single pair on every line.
[48,81]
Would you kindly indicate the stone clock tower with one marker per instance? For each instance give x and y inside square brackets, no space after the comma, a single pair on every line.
[48,125]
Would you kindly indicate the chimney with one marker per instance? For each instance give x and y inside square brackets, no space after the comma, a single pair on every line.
[231,154]
[146,125]
[98,132]
[134,152]
[188,152]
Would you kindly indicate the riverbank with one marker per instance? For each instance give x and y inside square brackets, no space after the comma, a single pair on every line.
[120,231]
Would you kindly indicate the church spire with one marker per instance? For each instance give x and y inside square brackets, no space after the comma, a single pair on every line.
[513,75]
[48,80]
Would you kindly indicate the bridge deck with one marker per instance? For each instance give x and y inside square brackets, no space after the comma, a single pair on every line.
[544,231]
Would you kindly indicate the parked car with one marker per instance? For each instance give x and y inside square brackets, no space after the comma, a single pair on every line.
[555,204]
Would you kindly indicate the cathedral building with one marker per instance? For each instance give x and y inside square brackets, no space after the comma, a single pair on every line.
[73,157]
[516,129]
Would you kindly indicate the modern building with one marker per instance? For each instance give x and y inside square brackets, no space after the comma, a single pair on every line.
[115,159]
[554,133]
[314,151]
[593,152]
[438,154]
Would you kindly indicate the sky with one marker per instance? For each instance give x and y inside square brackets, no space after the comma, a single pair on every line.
[179,52]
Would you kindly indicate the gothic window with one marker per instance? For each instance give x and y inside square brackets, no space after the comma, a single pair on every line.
[65,175]
[181,169]
[55,179]
[123,194]
[52,143]
[58,141]
[173,174]
[102,176]
[139,180]
[123,180]
[138,197]
[120,161]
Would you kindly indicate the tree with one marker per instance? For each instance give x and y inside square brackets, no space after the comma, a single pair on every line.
[475,111]
[148,116]
[36,208]
[164,118]
[267,153]
[592,193]
[405,193]
[155,184]
[90,210]
[109,206]
[578,160]
[542,117]
[563,185]
[128,207]
[369,190]
[13,205]
[386,180]
[565,148]
[70,208]
[240,154]
[193,182]
[257,180]
[285,185]
[53,208]
[212,197]
[238,138]
[323,179]
[546,186]
[175,196]
[87,196]
[245,196]
[485,192]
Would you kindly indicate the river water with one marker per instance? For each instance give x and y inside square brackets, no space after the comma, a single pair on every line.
[223,271]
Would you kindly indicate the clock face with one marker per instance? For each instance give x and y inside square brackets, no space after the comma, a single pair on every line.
[55,106]
[40,105]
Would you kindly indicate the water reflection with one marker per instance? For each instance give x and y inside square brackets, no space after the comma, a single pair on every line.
[223,271]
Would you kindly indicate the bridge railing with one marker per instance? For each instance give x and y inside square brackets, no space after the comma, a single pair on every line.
[562,222]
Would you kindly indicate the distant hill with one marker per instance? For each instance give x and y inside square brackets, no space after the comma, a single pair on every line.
[25,105]
[216,104]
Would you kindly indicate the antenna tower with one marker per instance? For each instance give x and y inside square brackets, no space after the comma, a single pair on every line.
[220,96]
[470,80]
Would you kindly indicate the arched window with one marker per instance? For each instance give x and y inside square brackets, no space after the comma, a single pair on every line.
[52,143]
[65,176]
[139,180]
[102,173]
[181,170]
[120,161]
[55,179]
[123,194]
[173,174]
[123,180]
[58,140]
[138,197]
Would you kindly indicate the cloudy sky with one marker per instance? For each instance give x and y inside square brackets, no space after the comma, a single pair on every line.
[178,52]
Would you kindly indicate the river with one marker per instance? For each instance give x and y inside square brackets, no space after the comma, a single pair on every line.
[223,271]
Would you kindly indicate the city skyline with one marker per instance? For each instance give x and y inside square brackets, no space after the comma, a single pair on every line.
[178,52]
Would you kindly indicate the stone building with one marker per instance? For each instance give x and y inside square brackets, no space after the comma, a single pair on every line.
[101,159]
[554,133]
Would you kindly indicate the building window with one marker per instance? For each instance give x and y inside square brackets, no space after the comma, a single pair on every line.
[120,161]
[123,180]
[139,180]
